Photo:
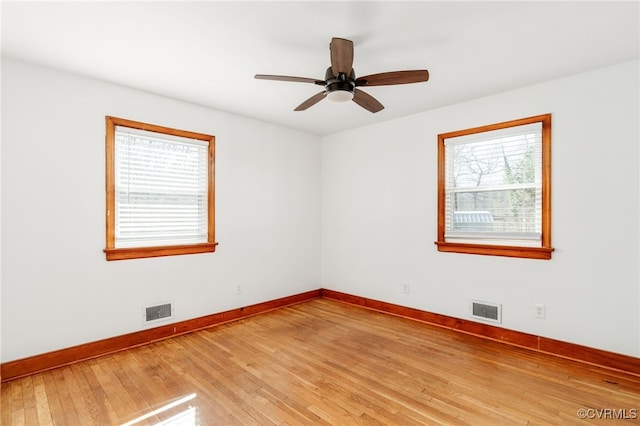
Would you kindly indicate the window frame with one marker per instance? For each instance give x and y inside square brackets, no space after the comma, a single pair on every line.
[542,252]
[118,253]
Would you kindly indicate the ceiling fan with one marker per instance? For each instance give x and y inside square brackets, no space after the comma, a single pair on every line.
[340,82]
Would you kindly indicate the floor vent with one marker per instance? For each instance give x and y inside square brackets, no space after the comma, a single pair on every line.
[159,312]
[486,311]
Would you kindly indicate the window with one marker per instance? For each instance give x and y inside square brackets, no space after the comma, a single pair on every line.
[494,189]
[160,191]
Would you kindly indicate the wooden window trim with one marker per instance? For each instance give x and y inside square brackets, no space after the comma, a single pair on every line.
[113,253]
[543,252]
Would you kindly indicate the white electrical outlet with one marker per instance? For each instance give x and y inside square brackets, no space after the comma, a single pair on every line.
[239,288]
[405,288]
[541,311]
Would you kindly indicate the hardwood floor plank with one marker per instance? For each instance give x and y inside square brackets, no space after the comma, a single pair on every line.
[63,390]
[119,367]
[75,396]
[99,393]
[361,383]
[226,382]
[29,400]
[213,406]
[42,401]
[6,409]
[119,396]
[323,362]
[16,401]
[374,352]
[321,385]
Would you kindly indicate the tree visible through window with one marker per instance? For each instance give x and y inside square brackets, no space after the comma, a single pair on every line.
[159,191]
[494,189]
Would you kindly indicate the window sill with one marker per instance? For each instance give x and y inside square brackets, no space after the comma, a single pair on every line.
[143,252]
[543,253]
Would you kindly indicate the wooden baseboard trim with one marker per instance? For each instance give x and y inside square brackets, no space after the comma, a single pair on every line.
[38,363]
[598,357]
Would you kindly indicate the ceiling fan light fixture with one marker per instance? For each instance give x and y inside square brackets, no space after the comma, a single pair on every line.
[340,96]
[340,90]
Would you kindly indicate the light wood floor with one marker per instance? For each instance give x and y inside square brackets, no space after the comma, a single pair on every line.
[328,363]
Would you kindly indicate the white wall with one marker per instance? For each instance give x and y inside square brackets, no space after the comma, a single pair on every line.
[57,288]
[379,214]
[354,212]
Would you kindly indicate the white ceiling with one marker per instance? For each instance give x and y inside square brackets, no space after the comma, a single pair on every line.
[208,52]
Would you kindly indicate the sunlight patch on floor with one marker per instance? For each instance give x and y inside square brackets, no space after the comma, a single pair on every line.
[185,418]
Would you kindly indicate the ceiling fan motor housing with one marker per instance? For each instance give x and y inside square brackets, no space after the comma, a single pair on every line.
[340,88]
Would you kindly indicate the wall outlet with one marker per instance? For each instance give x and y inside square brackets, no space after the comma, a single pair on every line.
[239,288]
[405,288]
[541,311]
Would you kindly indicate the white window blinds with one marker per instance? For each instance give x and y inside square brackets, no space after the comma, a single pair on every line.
[493,187]
[160,189]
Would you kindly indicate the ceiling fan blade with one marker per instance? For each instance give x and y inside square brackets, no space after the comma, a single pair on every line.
[341,56]
[311,101]
[289,78]
[393,77]
[367,101]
